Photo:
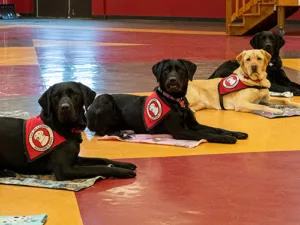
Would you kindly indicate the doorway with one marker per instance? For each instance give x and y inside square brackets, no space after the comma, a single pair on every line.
[60,8]
[53,8]
[80,8]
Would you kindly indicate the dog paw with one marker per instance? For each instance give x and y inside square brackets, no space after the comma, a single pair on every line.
[278,111]
[125,173]
[7,173]
[296,92]
[223,139]
[229,140]
[240,135]
[126,165]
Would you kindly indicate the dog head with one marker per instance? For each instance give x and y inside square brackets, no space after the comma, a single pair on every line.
[63,102]
[173,75]
[254,63]
[102,114]
[267,41]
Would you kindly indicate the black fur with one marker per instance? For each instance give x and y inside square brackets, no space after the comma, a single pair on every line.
[272,43]
[111,113]
[62,110]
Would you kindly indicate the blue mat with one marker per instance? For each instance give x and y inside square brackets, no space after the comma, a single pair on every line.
[24,220]
[49,181]
[288,111]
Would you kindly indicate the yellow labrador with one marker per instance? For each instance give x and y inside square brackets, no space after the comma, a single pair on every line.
[242,91]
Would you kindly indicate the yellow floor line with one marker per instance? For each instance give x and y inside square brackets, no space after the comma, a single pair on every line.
[166,31]
[50,43]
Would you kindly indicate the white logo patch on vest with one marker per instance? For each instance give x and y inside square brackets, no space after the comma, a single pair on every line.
[154,109]
[41,138]
[231,81]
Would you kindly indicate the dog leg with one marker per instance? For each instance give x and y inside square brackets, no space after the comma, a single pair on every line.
[7,173]
[63,172]
[83,161]
[64,167]
[295,85]
[283,101]
[186,133]
[194,125]
[250,107]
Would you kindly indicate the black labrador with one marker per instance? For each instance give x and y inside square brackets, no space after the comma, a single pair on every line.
[165,111]
[50,142]
[272,43]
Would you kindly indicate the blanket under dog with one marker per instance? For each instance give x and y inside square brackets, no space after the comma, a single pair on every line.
[23,220]
[161,139]
[49,181]
[288,111]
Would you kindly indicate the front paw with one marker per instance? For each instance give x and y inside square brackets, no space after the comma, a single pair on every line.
[7,173]
[277,111]
[296,92]
[240,135]
[223,139]
[124,173]
[125,165]
[228,140]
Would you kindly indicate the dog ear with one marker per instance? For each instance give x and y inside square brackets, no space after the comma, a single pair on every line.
[45,101]
[240,58]
[157,69]
[190,67]
[279,42]
[267,56]
[88,95]
[254,42]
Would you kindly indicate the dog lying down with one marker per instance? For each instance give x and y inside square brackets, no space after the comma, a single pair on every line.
[50,142]
[242,91]
[165,111]
[272,43]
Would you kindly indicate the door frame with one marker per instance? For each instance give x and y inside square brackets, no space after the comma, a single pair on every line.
[90,10]
[35,9]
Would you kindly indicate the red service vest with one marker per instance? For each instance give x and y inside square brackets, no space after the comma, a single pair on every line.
[154,110]
[231,84]
[40,139]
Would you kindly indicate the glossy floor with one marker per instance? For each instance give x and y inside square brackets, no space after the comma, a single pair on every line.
[252,182]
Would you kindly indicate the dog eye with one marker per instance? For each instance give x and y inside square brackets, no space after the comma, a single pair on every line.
[56,96]
[167,71]
[248,59]
[180,70]
[258,58]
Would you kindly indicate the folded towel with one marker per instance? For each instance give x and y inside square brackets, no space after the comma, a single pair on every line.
[161,139]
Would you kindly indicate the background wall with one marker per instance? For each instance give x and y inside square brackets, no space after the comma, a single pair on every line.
[22,6]
[171,8]
[98,7]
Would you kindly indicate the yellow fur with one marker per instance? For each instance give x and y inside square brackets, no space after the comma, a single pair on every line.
[203,94]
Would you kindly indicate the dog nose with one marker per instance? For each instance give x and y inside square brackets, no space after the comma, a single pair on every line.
[173,79]
[268,46]
[65,106]
[254,67]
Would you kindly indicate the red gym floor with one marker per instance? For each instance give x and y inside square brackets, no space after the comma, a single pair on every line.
[253,182]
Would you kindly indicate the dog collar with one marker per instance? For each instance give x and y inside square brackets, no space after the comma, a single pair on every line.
[248,78]
[76,131]
[181,101]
